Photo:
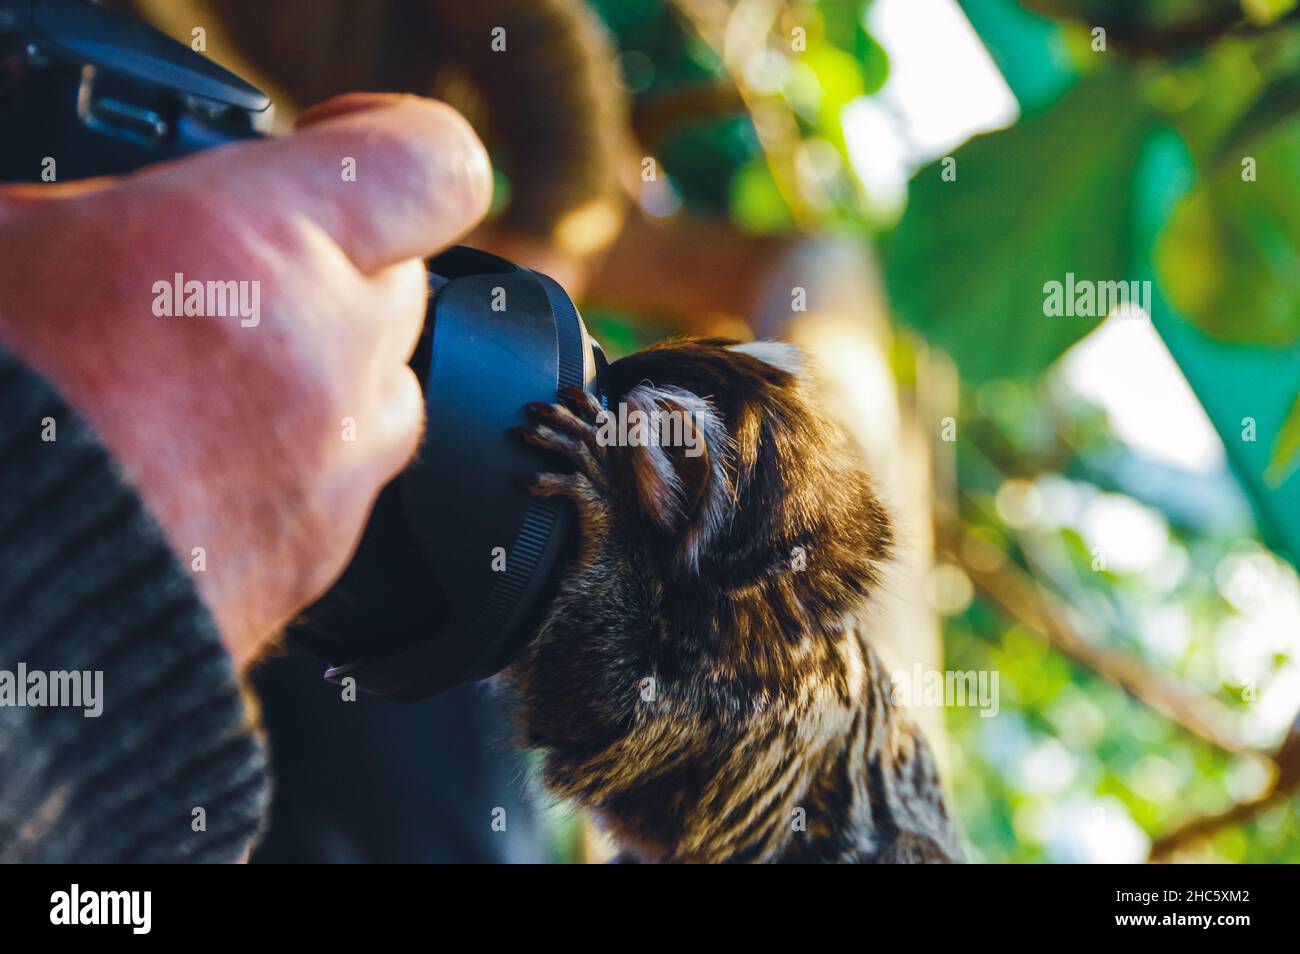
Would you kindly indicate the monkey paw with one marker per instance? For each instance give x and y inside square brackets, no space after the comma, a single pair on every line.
[569,428]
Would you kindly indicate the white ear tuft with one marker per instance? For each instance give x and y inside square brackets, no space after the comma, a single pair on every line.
[677,447]
[776,353]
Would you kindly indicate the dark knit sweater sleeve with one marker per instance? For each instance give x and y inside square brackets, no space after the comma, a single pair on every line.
[171,768]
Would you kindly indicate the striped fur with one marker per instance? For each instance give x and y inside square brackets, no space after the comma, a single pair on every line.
[702,680]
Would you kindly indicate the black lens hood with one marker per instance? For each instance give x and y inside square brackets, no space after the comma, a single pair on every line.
[457,560]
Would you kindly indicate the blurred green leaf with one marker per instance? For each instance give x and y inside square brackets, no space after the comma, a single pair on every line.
[1237,384]
[967,265]
[704,156]
[1218,100]
[840,22]
[1230,256]
[840,80]
[873,61]
[1150,13]
[1276,108]
[843,27]
[1029,49]
[1286,452]
[756,202]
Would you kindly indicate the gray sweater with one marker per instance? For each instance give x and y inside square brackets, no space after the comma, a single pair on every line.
[171,769]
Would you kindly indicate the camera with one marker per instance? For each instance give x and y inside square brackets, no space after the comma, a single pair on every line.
[456,565]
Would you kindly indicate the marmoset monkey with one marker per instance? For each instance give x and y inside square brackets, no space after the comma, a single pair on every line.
[702,681]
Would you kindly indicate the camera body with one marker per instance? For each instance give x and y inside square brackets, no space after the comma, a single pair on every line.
[457,564]
[102,94]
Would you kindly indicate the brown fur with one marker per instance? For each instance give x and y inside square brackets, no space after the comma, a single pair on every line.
[701,680]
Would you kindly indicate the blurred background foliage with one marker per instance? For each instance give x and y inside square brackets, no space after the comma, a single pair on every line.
[1118,530]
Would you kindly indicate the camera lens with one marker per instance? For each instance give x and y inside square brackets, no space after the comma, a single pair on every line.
[457,563]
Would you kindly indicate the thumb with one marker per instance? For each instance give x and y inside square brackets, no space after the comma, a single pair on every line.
[30,194]
[345,105]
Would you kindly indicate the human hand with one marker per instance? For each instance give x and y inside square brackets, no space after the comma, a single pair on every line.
[258,440]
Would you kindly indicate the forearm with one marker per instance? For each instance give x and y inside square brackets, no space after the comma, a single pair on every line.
[89,587]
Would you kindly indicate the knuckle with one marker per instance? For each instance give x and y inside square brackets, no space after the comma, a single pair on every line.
[409,400]
[407,286]
[436,158]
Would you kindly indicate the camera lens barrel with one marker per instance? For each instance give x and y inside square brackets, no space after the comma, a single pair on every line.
[457,561]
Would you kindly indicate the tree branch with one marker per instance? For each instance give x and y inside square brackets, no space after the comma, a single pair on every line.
[1020,597]
[653,118]
[1145,40]
[1284,787]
